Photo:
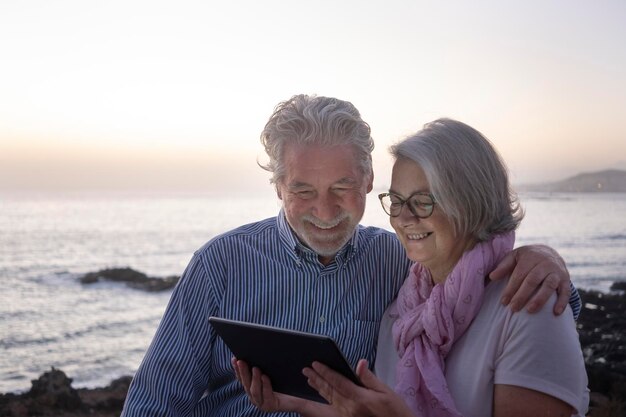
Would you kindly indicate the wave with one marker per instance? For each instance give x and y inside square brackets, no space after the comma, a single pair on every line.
[10,343]
[618,236]
[117,327]
[6,316]
[587,264]
[545,197]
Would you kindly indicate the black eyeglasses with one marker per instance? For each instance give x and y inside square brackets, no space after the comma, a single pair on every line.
[421,204]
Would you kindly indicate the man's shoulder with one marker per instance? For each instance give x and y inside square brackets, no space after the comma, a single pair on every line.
[256,231]
[261,226]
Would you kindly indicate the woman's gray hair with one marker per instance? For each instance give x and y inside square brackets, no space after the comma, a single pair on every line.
[467,177]
[313,120]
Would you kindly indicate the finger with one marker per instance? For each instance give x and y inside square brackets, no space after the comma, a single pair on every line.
[535,262]
[507,268]
[528,286]
[274,401]
[504,268]
[267,390]
[519,289]
[529,270]
[337,384]
[563,294]
[368,378]
[256,387]
[318,384]
[234,362]
[547,288]
[244,375]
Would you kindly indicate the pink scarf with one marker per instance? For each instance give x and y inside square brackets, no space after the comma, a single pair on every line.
[431,319]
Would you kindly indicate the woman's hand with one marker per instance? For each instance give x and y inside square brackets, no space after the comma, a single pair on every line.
[374,399]
[258,387]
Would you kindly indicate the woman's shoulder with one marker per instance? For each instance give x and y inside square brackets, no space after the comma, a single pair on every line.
[492,301]
[532,350]
[522,331]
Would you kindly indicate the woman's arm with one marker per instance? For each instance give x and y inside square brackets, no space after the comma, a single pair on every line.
[512,401]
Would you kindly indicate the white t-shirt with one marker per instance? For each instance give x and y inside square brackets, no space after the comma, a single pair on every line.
[537,351]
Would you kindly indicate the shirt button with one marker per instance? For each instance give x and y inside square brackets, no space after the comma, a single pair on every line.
[322,319]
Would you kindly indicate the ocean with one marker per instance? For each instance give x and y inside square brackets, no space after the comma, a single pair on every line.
[100,332]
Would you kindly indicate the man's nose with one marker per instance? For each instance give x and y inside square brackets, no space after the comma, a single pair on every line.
[326,207]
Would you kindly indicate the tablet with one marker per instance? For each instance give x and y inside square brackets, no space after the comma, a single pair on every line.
[281,354]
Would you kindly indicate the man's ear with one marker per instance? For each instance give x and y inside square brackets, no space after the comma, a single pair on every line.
[278,193]
[370,184]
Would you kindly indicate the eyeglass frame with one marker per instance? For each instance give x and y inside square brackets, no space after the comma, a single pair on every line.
[403,201]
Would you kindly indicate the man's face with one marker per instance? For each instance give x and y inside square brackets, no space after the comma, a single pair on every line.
[323,193]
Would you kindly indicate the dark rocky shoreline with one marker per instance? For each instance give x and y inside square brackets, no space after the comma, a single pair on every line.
[52,394]
[602,331]
[601,326]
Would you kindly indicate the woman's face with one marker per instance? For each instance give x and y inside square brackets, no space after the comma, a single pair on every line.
[430,241]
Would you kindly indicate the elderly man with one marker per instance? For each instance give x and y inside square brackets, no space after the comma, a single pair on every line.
[311,268]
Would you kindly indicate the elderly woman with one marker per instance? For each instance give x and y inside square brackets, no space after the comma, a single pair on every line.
[447,346]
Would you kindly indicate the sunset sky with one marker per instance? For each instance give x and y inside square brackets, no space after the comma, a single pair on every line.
[137,94]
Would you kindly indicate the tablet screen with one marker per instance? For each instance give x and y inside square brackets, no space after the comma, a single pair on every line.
[282,354]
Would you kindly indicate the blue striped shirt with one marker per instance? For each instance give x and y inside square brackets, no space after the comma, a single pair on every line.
[261,273]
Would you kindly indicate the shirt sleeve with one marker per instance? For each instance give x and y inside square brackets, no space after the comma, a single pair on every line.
[542,352]
[574,300]
[169,381]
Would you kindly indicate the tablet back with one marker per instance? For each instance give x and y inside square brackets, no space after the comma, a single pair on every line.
[282,354]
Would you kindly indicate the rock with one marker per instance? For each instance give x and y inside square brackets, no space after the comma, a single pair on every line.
[132,278]
[110,398]
[54,389]
[602,332]
[12,405]
[618,286]
[120,384]
[156,284]
[52,395]
[115,274]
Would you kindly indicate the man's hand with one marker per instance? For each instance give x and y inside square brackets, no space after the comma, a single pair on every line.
[260,393]
[535,271]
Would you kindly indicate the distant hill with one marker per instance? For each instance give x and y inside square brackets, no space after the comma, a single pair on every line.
[609,181]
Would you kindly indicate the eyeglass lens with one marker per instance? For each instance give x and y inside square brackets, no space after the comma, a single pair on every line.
[421,205]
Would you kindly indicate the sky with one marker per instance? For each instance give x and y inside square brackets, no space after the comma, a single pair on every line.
[164,95]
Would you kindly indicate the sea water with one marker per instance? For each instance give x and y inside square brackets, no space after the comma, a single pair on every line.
[98,332]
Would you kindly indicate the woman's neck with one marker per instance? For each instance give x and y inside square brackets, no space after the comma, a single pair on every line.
[439,273]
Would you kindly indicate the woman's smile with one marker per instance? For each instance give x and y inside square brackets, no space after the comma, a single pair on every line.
[418,236]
